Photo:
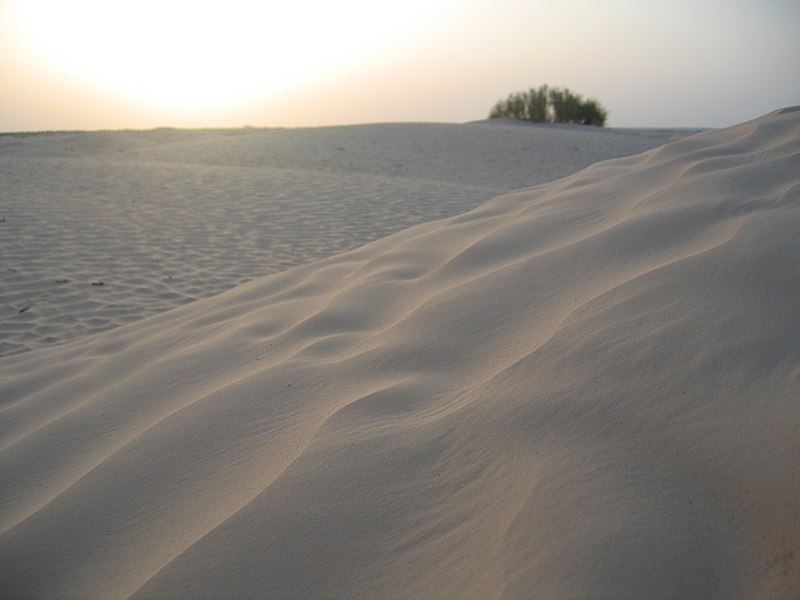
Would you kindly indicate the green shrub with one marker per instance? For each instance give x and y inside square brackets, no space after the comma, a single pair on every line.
[550,105]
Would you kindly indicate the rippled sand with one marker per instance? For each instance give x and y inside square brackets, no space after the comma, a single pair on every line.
[584,389]
[161,218]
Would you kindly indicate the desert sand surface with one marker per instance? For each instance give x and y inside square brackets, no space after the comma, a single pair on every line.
[584,389]
[161,218]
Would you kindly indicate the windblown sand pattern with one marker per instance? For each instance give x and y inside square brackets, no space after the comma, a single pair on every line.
[585,389]
[164,217]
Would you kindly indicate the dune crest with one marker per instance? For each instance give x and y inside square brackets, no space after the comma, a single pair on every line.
[583,389]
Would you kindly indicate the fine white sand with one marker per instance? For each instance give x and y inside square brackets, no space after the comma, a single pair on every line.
[586,389]
[164,217]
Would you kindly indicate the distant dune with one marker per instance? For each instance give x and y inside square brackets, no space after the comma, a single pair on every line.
[164,217]
[584,389]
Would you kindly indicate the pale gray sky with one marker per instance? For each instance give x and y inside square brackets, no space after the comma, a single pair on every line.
[90,64]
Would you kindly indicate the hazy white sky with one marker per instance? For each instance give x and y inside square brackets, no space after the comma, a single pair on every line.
[92,64]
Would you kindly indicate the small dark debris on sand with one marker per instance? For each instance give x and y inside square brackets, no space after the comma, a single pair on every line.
[98,283]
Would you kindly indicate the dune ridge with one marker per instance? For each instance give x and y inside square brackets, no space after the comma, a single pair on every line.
[587,388]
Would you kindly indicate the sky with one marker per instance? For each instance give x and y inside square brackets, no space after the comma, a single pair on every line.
[134,64]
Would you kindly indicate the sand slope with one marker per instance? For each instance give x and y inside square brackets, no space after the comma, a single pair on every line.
[585,389]
[164,217]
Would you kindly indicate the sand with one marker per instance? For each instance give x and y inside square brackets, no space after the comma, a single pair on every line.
[587,388]
[161,218]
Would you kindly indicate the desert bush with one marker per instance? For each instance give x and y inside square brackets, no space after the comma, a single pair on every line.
[550,105]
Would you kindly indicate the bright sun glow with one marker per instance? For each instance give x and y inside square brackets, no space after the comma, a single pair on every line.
[194,55]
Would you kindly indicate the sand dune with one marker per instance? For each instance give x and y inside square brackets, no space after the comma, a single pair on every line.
[584,389]
[161,218]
